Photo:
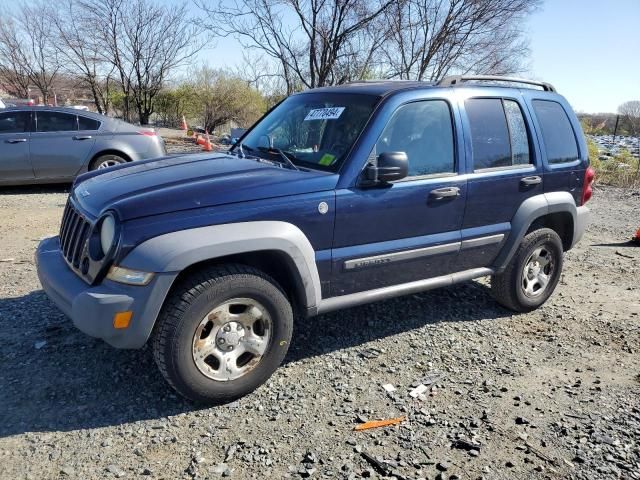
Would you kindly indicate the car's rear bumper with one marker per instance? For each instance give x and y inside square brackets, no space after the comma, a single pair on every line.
[582,221]
[92,308]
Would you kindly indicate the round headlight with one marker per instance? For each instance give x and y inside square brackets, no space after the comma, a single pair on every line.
[107,233]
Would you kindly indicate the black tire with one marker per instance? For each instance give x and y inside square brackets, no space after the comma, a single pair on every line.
[508,287]
[190,302]
[109,159]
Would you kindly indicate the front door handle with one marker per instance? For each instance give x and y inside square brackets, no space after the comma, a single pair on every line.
[528,181]
[16,140]
[445,192]
[82,137]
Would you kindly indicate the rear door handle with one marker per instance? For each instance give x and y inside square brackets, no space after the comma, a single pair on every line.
[445,192]
[82,137]
[535,180]
[16,140]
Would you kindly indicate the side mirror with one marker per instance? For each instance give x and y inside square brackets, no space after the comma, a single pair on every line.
[391,166]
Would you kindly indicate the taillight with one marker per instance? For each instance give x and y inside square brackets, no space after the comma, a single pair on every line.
[587,187]
[147,133]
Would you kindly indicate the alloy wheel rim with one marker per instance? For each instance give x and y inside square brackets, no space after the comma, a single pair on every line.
[537,272]
[107,164]
[232,339]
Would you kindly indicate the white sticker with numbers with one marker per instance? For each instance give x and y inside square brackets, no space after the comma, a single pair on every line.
[330,113]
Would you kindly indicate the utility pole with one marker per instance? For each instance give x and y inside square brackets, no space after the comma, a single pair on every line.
[615,129]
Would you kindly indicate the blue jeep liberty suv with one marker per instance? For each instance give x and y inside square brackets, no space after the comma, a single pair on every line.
[336,197]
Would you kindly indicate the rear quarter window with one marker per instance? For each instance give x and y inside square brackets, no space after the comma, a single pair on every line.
[557,133]
[85,123]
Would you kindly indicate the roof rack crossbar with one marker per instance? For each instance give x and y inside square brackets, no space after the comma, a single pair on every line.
[458,79]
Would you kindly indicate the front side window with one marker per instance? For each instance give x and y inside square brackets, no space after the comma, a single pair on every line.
[56,122]
[424,131]
[499,135]
[559,140]
[312,129]
[14,122]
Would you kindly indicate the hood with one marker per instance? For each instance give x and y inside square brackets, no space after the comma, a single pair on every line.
[172,184]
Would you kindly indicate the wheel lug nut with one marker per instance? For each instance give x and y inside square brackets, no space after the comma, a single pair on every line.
[239,327]
[221,340]
[229,348]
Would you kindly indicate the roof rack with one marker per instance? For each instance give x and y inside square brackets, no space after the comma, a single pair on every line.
[458,79]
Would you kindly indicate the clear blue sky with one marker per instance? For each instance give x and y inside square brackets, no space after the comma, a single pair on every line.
[589,50]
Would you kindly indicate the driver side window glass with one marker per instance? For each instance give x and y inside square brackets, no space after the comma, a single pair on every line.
[424,131]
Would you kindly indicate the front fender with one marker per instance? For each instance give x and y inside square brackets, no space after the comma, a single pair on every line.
[175,251]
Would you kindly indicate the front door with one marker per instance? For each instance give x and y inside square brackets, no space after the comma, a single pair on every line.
[58,149]
[407,230]
[14,147]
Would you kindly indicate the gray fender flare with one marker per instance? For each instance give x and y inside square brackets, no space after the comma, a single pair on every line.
[173,252]
[531,209]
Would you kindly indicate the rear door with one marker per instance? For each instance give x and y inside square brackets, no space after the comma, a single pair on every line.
[57,148]
[504,169]
[407,230]
[14,147]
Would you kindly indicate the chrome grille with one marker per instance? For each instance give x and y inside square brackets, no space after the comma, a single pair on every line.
[74,230]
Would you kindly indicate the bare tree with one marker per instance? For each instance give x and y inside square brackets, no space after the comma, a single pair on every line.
[14,68]
[630,112]
[42,55]
[83,53]
[145,42]
[27,54]
[429,39]
[328,41]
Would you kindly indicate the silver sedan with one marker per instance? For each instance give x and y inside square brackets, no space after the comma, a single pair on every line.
[54,145]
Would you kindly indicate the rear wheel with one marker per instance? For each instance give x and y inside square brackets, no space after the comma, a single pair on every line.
[222,333]
[106,161]
[533,273]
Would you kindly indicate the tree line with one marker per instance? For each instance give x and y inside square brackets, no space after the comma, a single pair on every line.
[129,54]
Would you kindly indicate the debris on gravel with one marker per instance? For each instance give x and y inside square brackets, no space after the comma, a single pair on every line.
[554,393]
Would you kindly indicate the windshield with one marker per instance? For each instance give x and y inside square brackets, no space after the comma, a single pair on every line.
[313,130]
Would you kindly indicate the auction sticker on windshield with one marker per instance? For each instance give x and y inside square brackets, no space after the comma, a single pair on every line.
[330,113]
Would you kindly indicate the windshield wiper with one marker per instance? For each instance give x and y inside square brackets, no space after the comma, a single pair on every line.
[283,155]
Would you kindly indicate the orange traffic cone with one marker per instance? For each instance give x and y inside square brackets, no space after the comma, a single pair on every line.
[207,144]
[636,238]
[184,126]
[200,139]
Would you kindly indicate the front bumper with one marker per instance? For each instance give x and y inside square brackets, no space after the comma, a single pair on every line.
[92,308]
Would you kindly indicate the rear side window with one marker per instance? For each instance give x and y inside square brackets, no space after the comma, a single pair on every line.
[424,131]
[85,123]
[558,136]
[14,122]
[56,122]
[498,133]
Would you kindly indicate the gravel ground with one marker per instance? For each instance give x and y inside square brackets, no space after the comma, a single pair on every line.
[550,394]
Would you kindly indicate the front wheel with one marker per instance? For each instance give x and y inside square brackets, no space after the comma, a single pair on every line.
[533,273]
[222,333]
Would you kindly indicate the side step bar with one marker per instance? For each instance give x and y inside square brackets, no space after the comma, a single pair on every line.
[359,298]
